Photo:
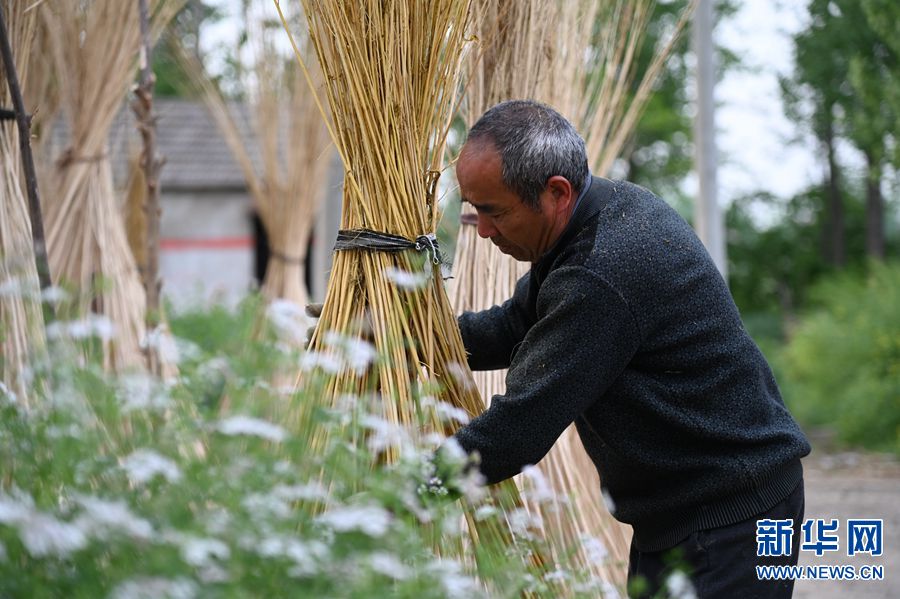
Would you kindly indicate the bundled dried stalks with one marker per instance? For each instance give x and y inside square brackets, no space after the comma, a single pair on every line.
[94,47]
[21,321]
[580,59]
[392,74]
[288,185]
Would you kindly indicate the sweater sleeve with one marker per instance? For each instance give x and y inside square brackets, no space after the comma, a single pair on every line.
[491,336]
[584,337]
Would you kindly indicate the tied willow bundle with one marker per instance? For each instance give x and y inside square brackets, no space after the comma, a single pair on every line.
[288,186]
[21,322]
[556,54]
[391,72]
[94,45]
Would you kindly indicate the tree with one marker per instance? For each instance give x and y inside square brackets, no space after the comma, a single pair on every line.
[839,90]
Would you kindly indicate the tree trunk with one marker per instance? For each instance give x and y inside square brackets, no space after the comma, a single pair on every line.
[874,209]
[835,246]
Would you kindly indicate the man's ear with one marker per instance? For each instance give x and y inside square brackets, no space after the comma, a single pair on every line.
[562,192]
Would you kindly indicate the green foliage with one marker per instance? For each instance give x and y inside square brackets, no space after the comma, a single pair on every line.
[211,484]
[842,366]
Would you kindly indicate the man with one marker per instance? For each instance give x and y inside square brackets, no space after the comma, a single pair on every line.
[625,327]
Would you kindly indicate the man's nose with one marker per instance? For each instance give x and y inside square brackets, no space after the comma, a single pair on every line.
[485,227]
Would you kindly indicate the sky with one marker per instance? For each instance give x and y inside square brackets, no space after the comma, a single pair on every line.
[759,149]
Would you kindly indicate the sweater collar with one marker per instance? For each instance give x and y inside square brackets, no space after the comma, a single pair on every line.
[591,199]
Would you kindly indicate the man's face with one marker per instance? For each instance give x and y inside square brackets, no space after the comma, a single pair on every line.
[516,229]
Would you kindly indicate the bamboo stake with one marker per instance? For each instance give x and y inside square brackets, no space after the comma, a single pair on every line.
[21,318]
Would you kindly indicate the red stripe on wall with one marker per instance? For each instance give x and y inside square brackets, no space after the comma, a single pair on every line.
[207,243]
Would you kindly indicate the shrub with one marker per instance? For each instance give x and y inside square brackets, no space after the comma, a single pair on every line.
[842,365]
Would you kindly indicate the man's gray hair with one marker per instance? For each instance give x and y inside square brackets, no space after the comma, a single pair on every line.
[535,143]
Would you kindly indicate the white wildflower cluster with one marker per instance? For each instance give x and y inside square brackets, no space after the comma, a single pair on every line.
[26,288]
[388,564]
[594,549]
[137,392]
[410,281]
[538,487]
[171,349]
[383,434]
[371,520]
[151,587]
[341,352]
[307,556]
[444,411]
[456,584]
[290,321]
[44,535]
[7,395]
[524,524]
[253,427]
[679,586]
[143,465]
[93,325]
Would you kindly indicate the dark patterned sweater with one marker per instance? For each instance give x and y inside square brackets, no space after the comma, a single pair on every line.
[627,329]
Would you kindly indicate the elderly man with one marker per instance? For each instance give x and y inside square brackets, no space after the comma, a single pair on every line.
[625,327]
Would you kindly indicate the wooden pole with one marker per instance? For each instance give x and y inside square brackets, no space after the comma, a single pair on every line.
[152,164]
[24,124]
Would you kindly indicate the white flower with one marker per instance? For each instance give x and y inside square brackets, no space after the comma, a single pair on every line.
[384,434]
[356,353]
[141,392]
[445,412]
[15,287]
[199,552]
[245,425]
[155,588]
[313,491]
[679,586]
[455,583]
[102,517]
[462,375]
[15,508]
[405,279]
[557,575]
[539,488]
[485,511]
[161,340]
[368,519]
[306,555]
[54,295]
[94,325]
[521,523]
[143,465]
[389,565]
[594,549]
[290,320]
[608,501]
[265,504]
[327,361]
[44,535]
[8,393]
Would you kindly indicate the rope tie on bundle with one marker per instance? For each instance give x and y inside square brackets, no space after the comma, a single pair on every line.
[285,257]
[366,239]
[69,157]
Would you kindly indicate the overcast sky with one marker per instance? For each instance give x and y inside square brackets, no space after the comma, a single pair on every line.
[753,134]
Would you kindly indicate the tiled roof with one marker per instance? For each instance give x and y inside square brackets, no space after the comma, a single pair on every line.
[197,157]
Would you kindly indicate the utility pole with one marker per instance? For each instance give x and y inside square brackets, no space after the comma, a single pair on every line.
[708,220]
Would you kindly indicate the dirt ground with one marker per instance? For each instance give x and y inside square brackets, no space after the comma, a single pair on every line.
[853,485]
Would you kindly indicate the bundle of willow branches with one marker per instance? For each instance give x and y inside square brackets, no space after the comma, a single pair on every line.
[556,54]
[392,79]
[288,185]
[94,46]
[21,322]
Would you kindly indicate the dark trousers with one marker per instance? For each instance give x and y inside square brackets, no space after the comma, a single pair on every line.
[720,562]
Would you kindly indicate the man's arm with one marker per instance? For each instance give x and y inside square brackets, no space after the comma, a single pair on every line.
[490,336]
[581,344]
